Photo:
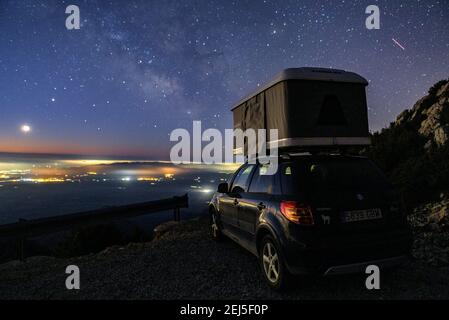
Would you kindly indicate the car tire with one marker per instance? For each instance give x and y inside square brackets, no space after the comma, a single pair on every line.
[215,226]
[272,264]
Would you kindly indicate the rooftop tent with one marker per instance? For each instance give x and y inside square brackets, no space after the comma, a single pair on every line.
[309,107]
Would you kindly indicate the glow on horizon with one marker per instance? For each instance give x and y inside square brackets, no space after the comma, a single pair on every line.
[38,143]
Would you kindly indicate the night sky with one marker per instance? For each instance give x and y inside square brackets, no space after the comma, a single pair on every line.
[138,69]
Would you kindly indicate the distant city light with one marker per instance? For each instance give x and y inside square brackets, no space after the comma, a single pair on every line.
[148,179]
[41,180]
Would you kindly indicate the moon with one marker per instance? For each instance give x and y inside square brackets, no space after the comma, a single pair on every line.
[25,128]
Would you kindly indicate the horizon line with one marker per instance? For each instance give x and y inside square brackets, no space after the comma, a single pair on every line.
[79,156]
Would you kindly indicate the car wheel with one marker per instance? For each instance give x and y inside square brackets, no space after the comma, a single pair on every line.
[272,264]
[215,226]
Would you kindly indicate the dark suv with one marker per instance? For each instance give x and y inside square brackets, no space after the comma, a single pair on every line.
[320,214]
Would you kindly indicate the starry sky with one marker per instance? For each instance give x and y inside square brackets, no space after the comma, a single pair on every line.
[136,70]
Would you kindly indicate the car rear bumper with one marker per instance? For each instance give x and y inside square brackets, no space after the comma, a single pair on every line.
[343,258]
[361,266]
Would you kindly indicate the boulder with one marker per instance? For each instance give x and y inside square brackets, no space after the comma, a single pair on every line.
[402,117]
[432,121]
[444,90]
[418,108]
[441,135]
[164,228]
[438,214]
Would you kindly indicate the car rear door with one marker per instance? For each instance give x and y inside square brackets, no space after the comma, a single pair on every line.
[254,202]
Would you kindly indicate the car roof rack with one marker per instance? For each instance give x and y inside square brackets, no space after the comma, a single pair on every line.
[286,153]
[312,149]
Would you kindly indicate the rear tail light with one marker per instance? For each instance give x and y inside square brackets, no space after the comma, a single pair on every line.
[297,213]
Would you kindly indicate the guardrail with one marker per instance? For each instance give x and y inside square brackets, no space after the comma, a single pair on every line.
[37,227]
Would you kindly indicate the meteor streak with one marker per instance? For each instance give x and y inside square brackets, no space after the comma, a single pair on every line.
[398,44]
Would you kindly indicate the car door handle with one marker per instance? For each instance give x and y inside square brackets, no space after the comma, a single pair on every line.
[261,206]
[236,202]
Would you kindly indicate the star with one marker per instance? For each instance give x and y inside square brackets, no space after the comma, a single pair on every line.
[196,60]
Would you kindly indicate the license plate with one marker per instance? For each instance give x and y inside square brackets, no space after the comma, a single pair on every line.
[361,215]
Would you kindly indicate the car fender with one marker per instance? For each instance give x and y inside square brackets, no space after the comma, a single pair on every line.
[267,225]
[213,204]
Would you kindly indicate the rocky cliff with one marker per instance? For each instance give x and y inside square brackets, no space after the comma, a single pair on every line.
[430,115]
[414,152]
[414,149]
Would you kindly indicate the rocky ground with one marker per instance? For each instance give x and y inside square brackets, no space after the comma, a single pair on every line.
[183,263]
[430,224]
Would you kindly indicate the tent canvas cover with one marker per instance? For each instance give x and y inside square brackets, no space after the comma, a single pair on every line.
[309,107]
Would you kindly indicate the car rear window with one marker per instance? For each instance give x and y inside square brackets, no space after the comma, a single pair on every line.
[319,174]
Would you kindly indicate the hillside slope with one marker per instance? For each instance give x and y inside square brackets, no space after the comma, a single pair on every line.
[414,150]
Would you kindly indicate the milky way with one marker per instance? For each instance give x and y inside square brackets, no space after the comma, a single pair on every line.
[138,69]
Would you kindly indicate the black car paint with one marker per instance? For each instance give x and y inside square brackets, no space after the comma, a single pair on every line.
[246,217]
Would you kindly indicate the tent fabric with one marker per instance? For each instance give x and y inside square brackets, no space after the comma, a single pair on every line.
[331,112]
[307,102]
[254,113]
[277,112]
[305,109]
[250,115]
[309,74]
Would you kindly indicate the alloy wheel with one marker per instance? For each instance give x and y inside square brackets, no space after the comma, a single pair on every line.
[270,261]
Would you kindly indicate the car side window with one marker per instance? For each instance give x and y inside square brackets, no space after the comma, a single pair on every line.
[241,181]
[261,182]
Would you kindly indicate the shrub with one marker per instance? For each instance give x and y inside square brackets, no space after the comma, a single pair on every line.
[434,89]
[93,239]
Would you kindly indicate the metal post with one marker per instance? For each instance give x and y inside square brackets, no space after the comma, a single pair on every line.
[20,248]
[177,214]
[21,240]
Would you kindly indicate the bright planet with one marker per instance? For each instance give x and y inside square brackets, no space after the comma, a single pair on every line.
[25,128]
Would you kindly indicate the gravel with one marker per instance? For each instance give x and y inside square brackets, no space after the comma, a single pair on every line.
[184,263]
[430,225]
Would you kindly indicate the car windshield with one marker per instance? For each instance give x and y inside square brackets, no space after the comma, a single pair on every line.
[332,173]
